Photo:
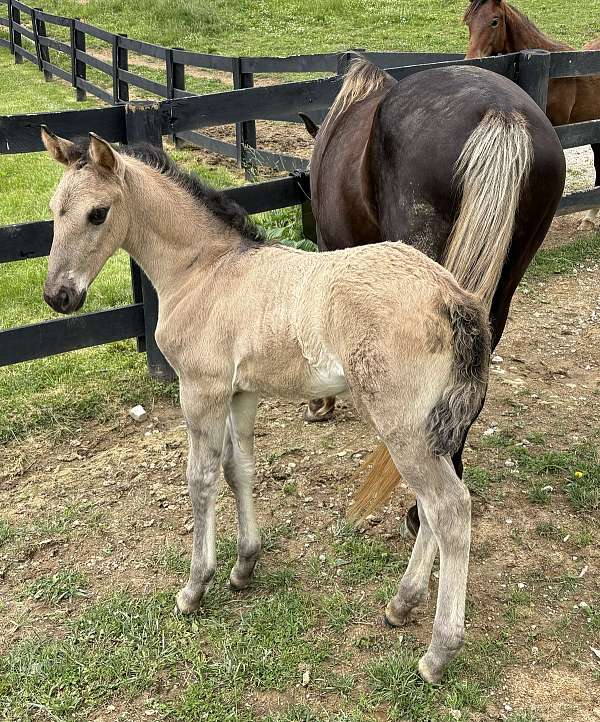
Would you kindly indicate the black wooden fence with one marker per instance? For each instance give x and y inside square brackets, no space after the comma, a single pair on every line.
[179,115]
[30,37]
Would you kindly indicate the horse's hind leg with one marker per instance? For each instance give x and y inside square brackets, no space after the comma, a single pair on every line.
[414,587]
[446,505]
[588,223]
[238,470]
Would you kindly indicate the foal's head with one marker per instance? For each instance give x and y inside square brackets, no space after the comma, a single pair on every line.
[487,28]
[91,220]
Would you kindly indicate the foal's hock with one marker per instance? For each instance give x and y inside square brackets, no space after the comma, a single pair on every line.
[239,318]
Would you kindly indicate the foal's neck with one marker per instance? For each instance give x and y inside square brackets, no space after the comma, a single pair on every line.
[521,34]
[172,236]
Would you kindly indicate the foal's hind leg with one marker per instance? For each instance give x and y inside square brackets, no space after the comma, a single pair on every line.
[414,587]
[447,507]
[238,469]
[588,222]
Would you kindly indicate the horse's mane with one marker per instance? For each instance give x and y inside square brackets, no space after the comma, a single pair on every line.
[362,80]
[225,209]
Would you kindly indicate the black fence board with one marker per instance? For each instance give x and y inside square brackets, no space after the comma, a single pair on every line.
[177,93]
[271,195]
[277,161]
[56,70]
[503,64]
[21,6]
[21,133]
[104,95]
[54,44]
[94,31]
[26,54]
[25,240]
[572,136]
[202,60]
[4,21]
[318,63]
[94,62]
[574,64]
[214,145]
[4,43]
[54,19]
[264,103]
[141,82]
[580,201]
[26,32]
[139,46]
[397,60]
[67,334]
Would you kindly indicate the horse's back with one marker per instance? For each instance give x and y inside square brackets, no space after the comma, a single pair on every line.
[420,129]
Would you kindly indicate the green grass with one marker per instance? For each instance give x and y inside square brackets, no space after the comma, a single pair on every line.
[56,588]
[564,259]
[292,26]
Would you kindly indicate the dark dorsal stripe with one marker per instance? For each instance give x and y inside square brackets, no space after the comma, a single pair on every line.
[225,209]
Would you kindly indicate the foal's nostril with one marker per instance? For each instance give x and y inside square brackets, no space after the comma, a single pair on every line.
[63,300]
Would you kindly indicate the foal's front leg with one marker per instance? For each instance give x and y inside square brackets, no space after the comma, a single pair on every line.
[238,469]
[205,416]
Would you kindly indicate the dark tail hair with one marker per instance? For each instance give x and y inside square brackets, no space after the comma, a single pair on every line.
[460,403]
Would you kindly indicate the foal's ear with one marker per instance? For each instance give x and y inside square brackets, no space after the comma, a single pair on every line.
[104,155]
[309,124]
[60,149]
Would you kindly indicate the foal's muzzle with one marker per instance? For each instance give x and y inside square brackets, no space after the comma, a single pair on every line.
[65,299]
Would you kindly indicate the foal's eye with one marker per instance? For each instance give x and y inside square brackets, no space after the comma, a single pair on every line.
[495,22]
[97,216]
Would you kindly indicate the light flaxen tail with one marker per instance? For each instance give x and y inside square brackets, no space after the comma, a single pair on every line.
[491,171]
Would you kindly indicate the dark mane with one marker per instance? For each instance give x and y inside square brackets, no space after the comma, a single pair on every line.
[225,209]
[473,8]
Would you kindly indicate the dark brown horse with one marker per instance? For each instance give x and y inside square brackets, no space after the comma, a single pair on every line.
[495,27]
[458,162]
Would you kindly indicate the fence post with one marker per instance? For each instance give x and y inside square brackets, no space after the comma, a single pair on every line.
[10,27]
[17,38]
[42,50]
[245,133]
[78,67]
[120,59]
[534,74]
[143,124]
[175,81]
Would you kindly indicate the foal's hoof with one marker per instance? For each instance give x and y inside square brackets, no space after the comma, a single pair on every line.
[392,619]
[237,584]
[315,418]
[185,604]
[428,674]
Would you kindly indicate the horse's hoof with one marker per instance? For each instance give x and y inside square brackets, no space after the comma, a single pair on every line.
[389,623]
[317,418]
[427,674]
[185,605]
[238,585]
[587,225]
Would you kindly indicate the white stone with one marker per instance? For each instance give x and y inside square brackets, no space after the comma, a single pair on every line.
[138,413]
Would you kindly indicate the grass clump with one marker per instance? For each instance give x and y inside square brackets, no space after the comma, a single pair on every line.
[62,586]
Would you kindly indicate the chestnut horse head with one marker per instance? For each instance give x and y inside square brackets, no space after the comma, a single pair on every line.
[486,20]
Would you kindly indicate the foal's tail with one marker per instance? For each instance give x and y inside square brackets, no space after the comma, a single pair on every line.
[491,171]
[455,410]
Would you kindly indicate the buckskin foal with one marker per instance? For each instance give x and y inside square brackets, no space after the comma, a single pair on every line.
[238,318]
